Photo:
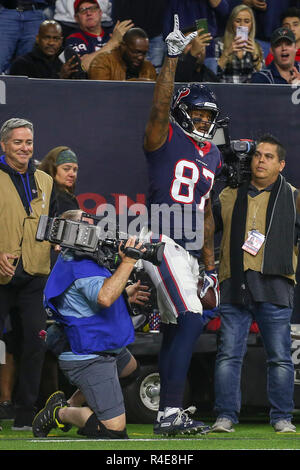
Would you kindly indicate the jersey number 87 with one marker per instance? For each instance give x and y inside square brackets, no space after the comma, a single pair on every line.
[190,182]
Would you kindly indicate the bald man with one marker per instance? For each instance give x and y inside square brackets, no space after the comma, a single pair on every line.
[43,61]
[127,62]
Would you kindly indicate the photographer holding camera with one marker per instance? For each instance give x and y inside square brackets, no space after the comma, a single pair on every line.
[89,301]
[257,267]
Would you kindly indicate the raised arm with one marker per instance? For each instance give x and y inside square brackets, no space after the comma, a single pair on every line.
[158,123]
[113,286]
[116,38]
[157,127]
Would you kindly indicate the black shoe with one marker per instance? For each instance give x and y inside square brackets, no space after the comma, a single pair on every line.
[47,418]
[59,398]
[7,410]
[23,419]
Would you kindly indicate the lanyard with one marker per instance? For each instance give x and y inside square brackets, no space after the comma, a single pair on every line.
[27,189]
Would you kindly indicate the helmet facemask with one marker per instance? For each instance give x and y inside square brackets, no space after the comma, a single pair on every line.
[195,97]
[209,126]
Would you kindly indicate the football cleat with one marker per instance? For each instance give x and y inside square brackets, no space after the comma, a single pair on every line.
[180,423]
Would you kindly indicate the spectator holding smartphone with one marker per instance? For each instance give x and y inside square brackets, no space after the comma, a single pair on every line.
[189,11]
[237,53]
[190,66]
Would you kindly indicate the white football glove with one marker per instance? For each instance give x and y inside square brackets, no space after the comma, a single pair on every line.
[210,279]
[176,41]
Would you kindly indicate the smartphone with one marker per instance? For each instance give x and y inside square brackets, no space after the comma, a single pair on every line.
[242,32]
[202,24]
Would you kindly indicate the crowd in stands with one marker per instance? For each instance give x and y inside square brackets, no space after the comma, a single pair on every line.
[64,39]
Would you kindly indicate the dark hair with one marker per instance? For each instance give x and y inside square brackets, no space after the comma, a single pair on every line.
[270,139]
[189,29]
[48,165]
[290,12]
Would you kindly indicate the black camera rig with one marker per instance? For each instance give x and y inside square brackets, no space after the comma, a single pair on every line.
[87,240]
[237,155]
[237,162]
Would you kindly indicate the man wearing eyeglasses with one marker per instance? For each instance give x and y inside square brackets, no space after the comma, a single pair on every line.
[127,62]
[92,38]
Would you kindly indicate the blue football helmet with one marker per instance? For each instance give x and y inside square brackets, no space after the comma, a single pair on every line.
[194,96]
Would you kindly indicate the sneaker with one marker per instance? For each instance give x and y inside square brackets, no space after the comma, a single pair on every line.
[180,423]
[156,427]
[47,418]
[21,427]
[7,410]
[60,398]
[284,426]
[222,425]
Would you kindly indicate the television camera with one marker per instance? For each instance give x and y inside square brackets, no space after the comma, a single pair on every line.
[87,240]
[237,155]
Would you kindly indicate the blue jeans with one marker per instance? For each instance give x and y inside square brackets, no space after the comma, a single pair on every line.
[157,51]
[212,64]
[274,325]
[18,30]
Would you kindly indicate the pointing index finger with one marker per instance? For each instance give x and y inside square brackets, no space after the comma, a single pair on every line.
[176,22]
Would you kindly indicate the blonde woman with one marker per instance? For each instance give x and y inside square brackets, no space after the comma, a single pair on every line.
[237,57]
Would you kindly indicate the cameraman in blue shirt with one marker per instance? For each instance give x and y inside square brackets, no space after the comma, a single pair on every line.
[89,301]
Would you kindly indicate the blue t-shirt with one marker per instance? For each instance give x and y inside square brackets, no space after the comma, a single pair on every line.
[80,300]
[71,296]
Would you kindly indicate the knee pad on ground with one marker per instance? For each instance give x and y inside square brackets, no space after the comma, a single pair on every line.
[94,428]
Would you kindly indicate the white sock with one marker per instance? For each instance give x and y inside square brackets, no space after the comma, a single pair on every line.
[160,415]
[170,411]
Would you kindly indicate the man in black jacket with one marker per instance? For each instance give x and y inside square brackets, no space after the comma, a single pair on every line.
[43,61]
[257,267]
[190,67]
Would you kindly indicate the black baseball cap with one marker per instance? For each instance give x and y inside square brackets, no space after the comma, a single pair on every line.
[282,33]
